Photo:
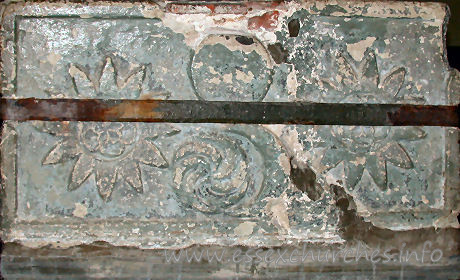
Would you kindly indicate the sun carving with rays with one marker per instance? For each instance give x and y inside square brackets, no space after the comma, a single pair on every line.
[112,151]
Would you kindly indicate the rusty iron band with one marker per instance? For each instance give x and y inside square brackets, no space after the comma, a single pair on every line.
[196,111]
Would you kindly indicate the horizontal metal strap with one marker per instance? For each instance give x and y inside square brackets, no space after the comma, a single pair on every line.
[197,111]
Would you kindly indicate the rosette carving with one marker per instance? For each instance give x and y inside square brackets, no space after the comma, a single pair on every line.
[218,172]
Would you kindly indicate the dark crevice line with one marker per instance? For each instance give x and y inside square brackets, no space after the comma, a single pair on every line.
[199,111]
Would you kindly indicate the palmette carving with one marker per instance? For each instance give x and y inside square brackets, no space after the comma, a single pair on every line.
[369,148]
[106,80]
[362,81]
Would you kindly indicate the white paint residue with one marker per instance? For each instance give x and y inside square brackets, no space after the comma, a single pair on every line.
[228,78]
[357,50]
[247,78]
[359,161]
[152,12]
[53,58]
[245,228]
[278,210]
[291,82]
[285,164]
[74,71]
[80,210]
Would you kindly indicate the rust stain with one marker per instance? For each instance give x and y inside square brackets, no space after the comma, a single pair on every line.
[132,110]
[268,21]
[173,8]
[226,112]
[65,128]
[212,8]
[224,8]
[276,4]
[187,8]
[253,5]
[80,110]
[427,115]
[224,20]
[152,95]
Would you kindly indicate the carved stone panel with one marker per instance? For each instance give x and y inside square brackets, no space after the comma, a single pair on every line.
[172,185]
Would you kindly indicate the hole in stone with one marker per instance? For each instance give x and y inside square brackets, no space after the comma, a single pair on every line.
[278,53]
[294,27]
[244,40]
[304,178]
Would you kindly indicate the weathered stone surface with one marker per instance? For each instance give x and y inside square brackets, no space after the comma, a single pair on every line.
[101,260]
[344,52]
[174,185]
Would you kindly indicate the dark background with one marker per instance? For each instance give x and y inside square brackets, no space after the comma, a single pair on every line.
[453,32]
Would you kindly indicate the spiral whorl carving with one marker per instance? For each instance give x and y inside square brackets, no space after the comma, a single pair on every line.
[218,172]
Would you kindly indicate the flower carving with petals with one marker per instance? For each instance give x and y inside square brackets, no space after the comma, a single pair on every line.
[111,151]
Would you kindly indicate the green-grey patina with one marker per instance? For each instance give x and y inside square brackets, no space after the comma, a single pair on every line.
[175,185]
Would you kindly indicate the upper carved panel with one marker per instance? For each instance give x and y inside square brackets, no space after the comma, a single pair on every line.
[293,52]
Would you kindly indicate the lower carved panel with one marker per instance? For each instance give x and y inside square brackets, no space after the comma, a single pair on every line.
[174,185]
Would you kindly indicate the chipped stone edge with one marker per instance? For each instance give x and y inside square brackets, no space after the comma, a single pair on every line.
[139,235]
[453,87]
[443,217]
[8,177]
[373,8]
[416,218]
